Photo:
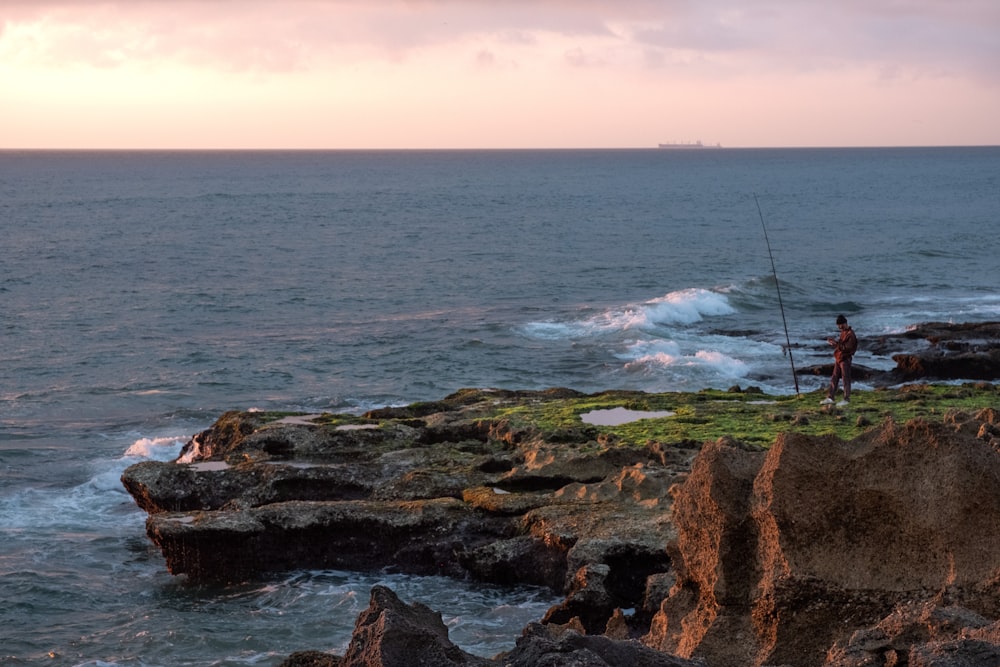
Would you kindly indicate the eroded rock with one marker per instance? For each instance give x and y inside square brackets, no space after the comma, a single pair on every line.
[391,633]
[559,646]
[923,634]
[781,554]
[415,489]
[880,550]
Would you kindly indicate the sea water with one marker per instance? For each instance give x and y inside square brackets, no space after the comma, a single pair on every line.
[142,294]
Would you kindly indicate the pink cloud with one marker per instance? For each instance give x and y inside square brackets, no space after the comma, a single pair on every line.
[555,72]
[281,35]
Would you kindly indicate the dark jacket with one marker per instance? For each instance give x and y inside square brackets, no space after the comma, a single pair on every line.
[847,345]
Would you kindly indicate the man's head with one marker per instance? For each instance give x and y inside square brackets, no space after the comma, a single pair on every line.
[841,321]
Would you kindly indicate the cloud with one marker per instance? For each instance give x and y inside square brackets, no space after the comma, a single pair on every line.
[957,34]
[522,72]
[282,35]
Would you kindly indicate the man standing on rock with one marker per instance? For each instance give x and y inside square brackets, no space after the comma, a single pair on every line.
[843,351]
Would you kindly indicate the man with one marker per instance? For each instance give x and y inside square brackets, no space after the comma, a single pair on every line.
[843,351]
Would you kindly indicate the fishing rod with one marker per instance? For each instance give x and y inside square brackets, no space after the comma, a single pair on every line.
[788,341]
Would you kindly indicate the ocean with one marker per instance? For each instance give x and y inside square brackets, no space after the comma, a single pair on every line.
[144,293]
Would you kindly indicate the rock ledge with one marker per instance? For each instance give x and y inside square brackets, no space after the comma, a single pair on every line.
[881,550]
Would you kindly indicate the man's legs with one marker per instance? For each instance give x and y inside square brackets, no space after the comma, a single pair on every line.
[845,371]
[835,380]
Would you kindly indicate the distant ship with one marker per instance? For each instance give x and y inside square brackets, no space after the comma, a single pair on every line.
[689,144]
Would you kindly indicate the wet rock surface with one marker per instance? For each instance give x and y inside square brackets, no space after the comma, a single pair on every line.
[815,551]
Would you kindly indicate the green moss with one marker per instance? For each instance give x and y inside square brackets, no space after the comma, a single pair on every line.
[751,417]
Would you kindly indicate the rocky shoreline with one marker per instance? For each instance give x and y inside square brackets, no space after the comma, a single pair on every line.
[802,549]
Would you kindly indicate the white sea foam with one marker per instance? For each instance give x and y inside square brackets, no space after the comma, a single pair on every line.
[714,360]
[680,308]
[555,330]
[663,342]
[158,449]
[688,306]
[659,351]
[192,453]
[92,505]
[724,363]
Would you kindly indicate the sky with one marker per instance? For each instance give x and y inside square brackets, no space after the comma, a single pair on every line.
[411,74]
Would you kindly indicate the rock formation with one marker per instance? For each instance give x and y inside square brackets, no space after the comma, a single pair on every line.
[882,550]
[783,554]
[429,489]
[391,633]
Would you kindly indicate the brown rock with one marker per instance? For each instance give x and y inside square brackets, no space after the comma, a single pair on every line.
[391,633]
[617,626]
[922,634]
[588,600]
[714,559]
[553,646]
[310,659]
[829,539]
